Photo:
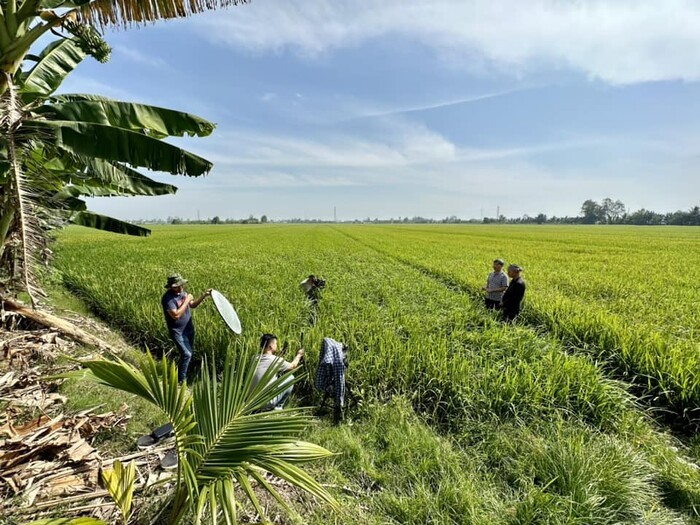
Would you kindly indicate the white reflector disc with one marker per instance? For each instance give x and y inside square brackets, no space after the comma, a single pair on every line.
[228,314]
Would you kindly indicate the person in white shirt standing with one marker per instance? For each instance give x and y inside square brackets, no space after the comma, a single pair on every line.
[496,285]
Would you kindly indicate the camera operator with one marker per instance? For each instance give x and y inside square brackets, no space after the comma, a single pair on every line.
[268,345]
[312,287]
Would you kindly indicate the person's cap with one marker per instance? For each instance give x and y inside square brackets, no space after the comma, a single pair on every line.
[499,261]
[175,280]
[515,268]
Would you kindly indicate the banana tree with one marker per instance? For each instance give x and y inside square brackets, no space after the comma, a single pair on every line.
[223,438]
[55,149]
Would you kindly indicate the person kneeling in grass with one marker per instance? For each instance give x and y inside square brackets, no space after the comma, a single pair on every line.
[268,345]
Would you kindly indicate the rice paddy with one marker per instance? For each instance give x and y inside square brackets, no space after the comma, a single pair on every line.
[465,419]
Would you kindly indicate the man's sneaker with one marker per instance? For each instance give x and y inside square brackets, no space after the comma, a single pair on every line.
[169,461]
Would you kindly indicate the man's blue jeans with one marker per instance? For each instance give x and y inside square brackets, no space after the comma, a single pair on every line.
[185,344]
[277,402]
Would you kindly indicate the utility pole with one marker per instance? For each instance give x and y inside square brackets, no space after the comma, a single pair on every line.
[498,213]
[197,215]
[335,215]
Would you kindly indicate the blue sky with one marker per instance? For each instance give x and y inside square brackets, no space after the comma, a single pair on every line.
[420,108]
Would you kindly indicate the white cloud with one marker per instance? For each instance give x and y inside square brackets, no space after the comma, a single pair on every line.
[402,110]
[620,41]
[401,144]
[138,57]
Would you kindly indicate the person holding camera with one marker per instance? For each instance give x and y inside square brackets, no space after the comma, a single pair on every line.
[312,287]
[268,345]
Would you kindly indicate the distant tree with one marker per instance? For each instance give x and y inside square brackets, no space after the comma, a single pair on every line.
[592,212]
[694,216]
[541,218]
[263,219]
[250,220]
[684,218]
[216,220]
[612,211]
[644,217]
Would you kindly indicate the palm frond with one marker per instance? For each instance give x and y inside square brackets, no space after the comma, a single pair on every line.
[156,382]
[120,482]
[125,13]
[239,440]
[221,434]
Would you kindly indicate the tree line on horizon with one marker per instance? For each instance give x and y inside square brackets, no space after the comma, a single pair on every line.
[592,212]
[615,212]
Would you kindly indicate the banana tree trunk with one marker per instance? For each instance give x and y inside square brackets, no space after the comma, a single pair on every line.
[6,219]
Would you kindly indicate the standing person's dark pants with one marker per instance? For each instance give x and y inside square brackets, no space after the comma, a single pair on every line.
[512,299]
[185,344]
[491,304]
[510,315]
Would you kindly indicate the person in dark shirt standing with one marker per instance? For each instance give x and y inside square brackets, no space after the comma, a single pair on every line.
[513,296]
[177,305]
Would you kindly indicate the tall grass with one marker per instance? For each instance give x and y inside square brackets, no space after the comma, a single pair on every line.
[409,336]
[622,293]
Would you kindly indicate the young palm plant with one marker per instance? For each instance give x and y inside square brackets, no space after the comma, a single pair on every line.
[223,439]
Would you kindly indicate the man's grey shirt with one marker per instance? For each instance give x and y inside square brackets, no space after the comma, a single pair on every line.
[496,280]
[265,362]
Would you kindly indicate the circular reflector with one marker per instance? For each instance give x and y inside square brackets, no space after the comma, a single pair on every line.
[228,314]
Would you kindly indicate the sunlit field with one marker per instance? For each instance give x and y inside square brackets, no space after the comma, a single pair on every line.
[568,416]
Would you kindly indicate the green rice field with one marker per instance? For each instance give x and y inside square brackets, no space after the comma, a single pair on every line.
[583,412]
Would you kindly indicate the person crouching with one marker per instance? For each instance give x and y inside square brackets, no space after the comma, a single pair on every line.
[268,345]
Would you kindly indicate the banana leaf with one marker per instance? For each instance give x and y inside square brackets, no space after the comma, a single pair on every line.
[56,61]
[109,143]
[109,224]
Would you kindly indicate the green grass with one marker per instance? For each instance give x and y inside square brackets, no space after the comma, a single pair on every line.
[480,417]
[619,292]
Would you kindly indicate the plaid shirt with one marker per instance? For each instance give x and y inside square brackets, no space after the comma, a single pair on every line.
[330,375]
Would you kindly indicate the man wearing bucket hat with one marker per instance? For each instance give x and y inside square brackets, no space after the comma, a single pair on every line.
[177,305]
[513,297]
